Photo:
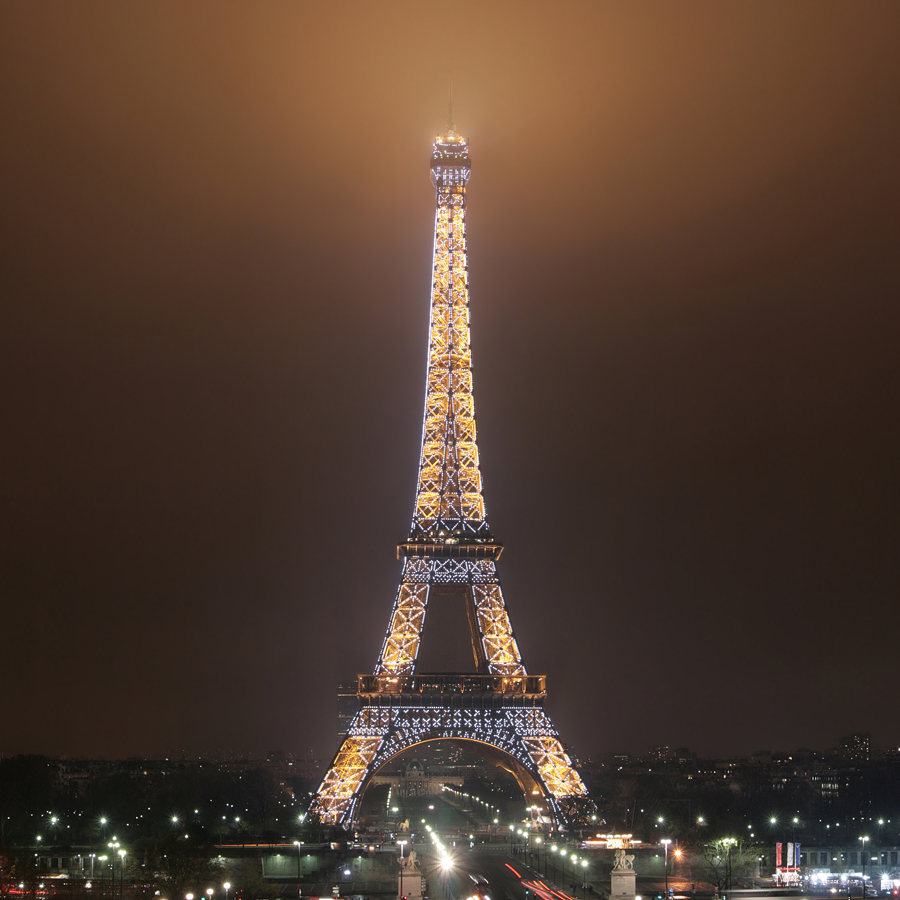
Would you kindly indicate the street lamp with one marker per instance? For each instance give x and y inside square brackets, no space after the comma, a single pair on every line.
[665,842]
[584,863]
[446,869]
[227,885]
[121,872]
[864,839]
[729,843]
[113,847]
[402,845]
[297,844]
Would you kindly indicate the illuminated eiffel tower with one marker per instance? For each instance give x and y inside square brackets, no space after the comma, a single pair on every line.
[451,551]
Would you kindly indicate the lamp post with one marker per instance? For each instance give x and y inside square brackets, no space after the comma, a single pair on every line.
[584,863]
[113,849]
[729,843]
[297,844]
[402,845]
[227,886]
[864,839]
[446,867]
[121,873]
[665,842]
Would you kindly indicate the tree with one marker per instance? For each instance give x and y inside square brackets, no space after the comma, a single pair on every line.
[728,861]
[184,865]
[246,874]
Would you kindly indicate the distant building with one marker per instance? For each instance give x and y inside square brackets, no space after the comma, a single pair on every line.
[857,747]
[417,779]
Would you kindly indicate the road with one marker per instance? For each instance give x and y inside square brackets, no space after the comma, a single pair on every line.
[507,878]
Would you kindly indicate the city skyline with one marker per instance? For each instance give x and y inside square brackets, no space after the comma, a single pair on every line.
[683,268]
[838,747]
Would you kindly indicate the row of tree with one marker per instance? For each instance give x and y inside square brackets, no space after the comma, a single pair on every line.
[636,803]
[201,801]
[169,868]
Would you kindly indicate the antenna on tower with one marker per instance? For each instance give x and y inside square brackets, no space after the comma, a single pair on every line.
[450,103]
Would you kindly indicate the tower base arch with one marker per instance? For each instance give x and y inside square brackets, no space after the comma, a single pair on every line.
[520,739]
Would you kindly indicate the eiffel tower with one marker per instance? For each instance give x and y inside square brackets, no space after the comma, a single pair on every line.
[451,551]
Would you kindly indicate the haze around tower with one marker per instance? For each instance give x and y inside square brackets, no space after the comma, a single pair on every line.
[217,237]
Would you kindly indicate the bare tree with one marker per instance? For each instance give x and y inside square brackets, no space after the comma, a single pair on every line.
[729,861]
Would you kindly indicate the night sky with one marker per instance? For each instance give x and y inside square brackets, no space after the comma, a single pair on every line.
[216,224]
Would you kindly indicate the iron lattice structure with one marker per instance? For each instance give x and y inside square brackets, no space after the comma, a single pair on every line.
[451,550]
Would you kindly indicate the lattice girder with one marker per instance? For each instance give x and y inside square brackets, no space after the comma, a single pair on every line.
[449,494]
[451,549]
[494,631]
[377,734]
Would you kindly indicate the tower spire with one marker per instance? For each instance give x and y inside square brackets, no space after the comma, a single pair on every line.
[450,105]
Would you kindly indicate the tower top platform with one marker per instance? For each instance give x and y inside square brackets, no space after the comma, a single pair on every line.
[450,164]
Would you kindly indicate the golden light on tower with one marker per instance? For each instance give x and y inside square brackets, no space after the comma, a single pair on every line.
[450,549]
